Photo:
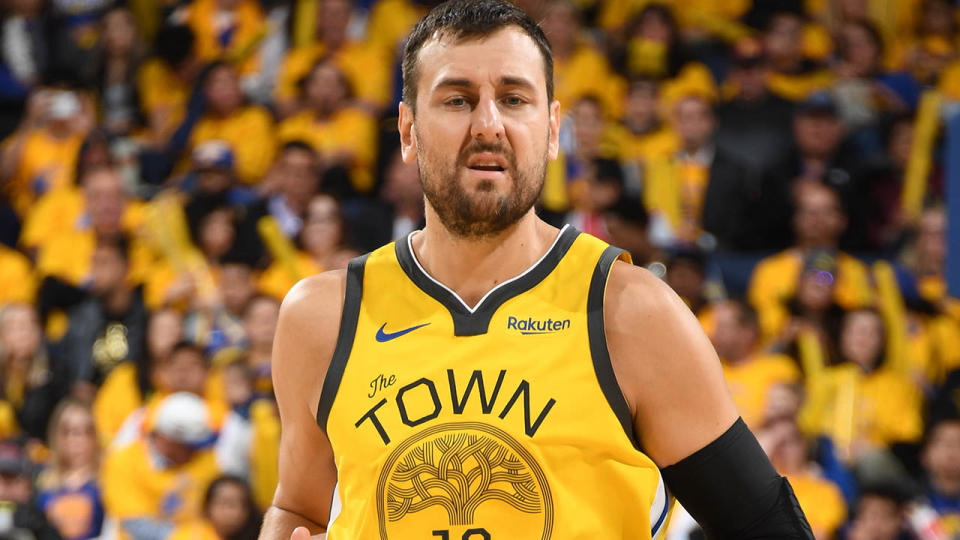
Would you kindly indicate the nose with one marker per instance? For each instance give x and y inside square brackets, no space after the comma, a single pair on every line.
[486,124]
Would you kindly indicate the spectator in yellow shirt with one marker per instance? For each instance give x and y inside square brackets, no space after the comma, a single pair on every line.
[17,283]
[156,483]
[164,82]
[863,404]
[228,30]
[820,499]
[247,129]
[579,69]
[365,65]
[321,239]
[41,155]
[818,222]
[343,135]
[750,373]
[642,135]
[794,76]
[68,255]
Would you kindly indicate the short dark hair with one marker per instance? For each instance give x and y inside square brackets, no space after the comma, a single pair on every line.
[466,19]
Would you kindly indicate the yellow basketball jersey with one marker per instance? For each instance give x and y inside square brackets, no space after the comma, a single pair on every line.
[500,421]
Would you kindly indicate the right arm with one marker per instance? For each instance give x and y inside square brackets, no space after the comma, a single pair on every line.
[305,339]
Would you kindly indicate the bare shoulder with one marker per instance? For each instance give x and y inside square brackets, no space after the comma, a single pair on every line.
[307,329]
[665,365]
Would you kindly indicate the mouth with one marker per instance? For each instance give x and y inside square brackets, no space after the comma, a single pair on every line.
[487,161]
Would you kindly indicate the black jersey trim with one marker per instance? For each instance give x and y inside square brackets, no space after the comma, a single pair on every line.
[598,343]
[348,329]
[465,322]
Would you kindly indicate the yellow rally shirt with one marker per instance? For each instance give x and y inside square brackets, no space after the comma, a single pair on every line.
[500,421]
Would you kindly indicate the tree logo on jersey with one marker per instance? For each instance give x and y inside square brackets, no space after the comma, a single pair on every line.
[461,474]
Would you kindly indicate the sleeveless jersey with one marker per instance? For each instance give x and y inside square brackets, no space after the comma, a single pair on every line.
[500,421]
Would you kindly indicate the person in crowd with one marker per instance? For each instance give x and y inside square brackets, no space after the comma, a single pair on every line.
[131,384]
[753,123]
[750,373]
[603,186]
[821,501]
[365,65]
[229,512]
[260,323]
[30,382]
[165,82]
[642,134]
[820,154]
[226,30]
[219,324]
[627,224]
[933,44]
[818,223]
[293,179]
[69,489]
[700,195]
[880,514]
[863,402]
[157,482]
[247,129]
[111,325]
[113,71]
[61,210]
[41,155]
[863,89]
[579,68]
[793,75]
[941,467]
[342,135]
[108,211]
[321,242]
[20,518]
[686,273]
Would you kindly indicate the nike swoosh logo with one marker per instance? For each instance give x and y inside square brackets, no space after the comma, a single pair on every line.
[387,336]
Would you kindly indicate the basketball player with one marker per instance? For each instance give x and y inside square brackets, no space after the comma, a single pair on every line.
[491,377]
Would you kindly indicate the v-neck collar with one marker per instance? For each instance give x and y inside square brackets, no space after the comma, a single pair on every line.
[472,321]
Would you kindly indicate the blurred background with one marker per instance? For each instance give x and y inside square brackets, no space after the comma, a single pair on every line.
[169,169]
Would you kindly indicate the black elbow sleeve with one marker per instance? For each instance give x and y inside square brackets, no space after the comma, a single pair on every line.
[732,490]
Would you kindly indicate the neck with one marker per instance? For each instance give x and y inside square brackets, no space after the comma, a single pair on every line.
[471,267]
[118,300]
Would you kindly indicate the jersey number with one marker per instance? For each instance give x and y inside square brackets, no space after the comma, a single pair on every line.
[471,534]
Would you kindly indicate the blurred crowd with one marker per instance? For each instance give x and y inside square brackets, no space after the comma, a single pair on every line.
[170,168]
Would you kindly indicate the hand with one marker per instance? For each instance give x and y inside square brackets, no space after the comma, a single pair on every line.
[301,533]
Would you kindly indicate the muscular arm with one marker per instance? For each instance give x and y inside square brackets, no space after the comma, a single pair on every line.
[305,339]
[684,417]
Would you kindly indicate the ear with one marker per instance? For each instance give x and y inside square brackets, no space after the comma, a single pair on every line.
[553,141]
[408,140]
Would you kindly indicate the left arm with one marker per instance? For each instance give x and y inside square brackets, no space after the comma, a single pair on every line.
[684,417]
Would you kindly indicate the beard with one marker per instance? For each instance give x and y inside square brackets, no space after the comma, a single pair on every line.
[482,213]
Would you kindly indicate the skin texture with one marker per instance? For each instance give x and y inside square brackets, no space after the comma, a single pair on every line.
[472,94]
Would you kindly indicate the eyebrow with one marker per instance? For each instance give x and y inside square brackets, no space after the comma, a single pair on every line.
[507,80]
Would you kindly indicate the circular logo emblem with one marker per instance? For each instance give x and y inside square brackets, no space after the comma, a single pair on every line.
[463,480]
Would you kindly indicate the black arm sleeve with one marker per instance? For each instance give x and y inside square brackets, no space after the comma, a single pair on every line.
[732,490]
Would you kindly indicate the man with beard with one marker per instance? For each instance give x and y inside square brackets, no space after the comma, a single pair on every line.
[492,377]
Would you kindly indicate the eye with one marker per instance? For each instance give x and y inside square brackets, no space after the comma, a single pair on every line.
[514,101]
[457,102]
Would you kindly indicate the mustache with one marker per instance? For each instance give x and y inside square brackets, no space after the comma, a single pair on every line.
[477,147]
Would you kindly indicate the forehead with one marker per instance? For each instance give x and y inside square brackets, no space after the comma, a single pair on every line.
[508,52]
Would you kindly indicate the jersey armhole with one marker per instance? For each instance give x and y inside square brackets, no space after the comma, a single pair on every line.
[348,329]
[598,342]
